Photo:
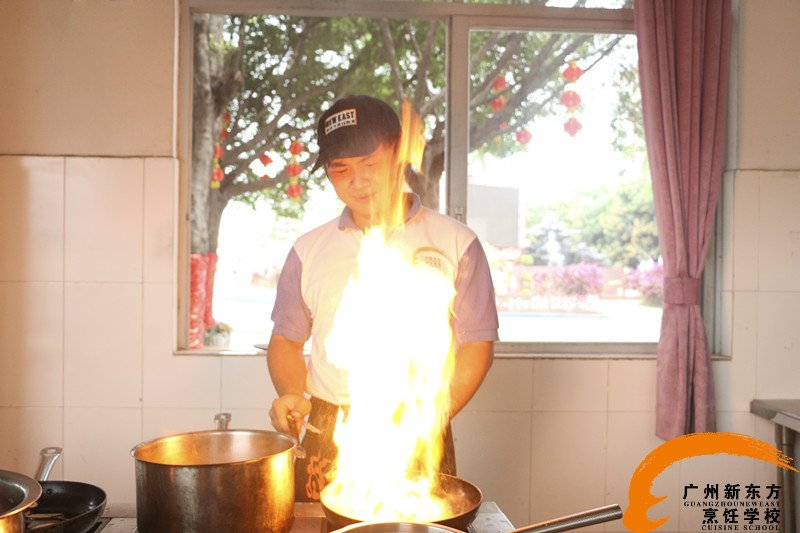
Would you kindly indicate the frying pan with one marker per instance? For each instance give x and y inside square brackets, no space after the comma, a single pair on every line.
[565,523]
[463,501]
[81,503]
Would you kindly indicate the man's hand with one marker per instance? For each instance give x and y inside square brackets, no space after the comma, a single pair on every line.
[290,404]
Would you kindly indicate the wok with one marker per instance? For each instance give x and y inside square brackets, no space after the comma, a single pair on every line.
[565,523]
[463,501]
[81,504]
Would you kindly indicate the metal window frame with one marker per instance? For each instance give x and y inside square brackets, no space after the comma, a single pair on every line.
[461,19]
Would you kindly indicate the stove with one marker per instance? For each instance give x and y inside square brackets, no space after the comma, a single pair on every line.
[309,518]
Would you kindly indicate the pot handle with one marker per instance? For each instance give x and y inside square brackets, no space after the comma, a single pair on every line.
[575,521]
[222,420]
[47,458]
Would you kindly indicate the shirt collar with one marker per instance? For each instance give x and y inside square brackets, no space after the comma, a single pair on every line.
[346,218]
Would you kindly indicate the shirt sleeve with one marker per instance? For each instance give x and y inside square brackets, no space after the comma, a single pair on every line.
[290,314]
[474,309]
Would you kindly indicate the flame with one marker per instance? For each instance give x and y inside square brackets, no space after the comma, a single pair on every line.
[392,334]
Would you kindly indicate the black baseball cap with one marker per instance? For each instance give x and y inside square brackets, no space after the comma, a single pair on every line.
[355,126]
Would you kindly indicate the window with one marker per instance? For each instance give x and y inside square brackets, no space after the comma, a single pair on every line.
[496,167]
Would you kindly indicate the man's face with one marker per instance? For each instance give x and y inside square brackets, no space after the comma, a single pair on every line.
[363,183]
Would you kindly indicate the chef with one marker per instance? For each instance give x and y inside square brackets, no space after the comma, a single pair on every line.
[358,138]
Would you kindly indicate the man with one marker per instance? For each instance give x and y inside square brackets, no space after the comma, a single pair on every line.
[358,139]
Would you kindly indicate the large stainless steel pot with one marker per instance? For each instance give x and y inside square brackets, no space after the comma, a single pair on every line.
[17,493]
[218,480]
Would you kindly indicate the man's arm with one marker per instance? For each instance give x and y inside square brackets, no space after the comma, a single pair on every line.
[287,368]
[472,363]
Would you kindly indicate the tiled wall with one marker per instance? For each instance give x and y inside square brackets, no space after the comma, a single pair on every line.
[87,282]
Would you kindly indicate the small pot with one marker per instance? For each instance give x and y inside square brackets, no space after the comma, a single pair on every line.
[218,480]
[17,493]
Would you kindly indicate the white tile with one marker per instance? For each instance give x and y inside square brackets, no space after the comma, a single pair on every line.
[250,419]
[493,451]
[160,219]
[735,379]
[632,385]
[32,218]
[103,345]
[103,219]
[26,430]
[779,232]
[745,230]
[162,422]
[570,385]
[725,232]
[169,380]
[246,382]
[724,325]
[97,450]
[568,465]
[631,438]
[63,93]
[32,326]
[507,387]
[778,365]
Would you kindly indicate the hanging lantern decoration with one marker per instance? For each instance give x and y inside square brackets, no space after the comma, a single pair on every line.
[296,148]
[294,190]
[571,99]
[523,136]
[503,125]
[498,103]
[572,126]
[499,83]
[265,159]
[226,121]
[572,72]
[217,174]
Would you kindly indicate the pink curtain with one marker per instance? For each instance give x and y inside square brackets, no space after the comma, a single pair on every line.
[683,71]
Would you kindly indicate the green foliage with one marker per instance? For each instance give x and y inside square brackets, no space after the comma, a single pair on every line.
[619,223]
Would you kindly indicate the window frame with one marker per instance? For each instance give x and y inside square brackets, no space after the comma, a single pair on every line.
[460,20]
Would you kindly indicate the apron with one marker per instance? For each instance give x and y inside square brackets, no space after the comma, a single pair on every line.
[310,474]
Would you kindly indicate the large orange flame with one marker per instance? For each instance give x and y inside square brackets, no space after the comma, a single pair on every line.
[392,334]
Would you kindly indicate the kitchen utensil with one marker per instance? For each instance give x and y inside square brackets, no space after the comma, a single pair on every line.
[218,480]
[79,504]
[565,523]
[17,493]
[463,498]
[299,451]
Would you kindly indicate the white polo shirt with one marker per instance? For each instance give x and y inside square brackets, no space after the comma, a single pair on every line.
[321,263]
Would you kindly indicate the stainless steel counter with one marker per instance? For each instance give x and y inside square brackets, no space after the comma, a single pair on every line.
[785,414]
[309,518]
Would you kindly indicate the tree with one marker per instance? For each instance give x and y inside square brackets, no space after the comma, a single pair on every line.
[274,74]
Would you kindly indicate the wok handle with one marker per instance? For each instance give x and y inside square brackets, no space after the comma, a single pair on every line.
[47,458]
[222,420]
[575,521]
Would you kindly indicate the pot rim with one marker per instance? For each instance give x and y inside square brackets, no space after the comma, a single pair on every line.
[29,486]
[241,432]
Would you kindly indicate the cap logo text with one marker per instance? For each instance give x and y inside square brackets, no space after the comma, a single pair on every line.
[340,119]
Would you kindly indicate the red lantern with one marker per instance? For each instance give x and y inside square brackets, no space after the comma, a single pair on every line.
[294,170]
[572,72]
[223,133]
[523,136]
[265,159]
[294,191]
[296,148]
[498,103]
[227,117]
[264,177]
[217,151]
[572,126]
[571,99]
[500,83]
[503,125]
